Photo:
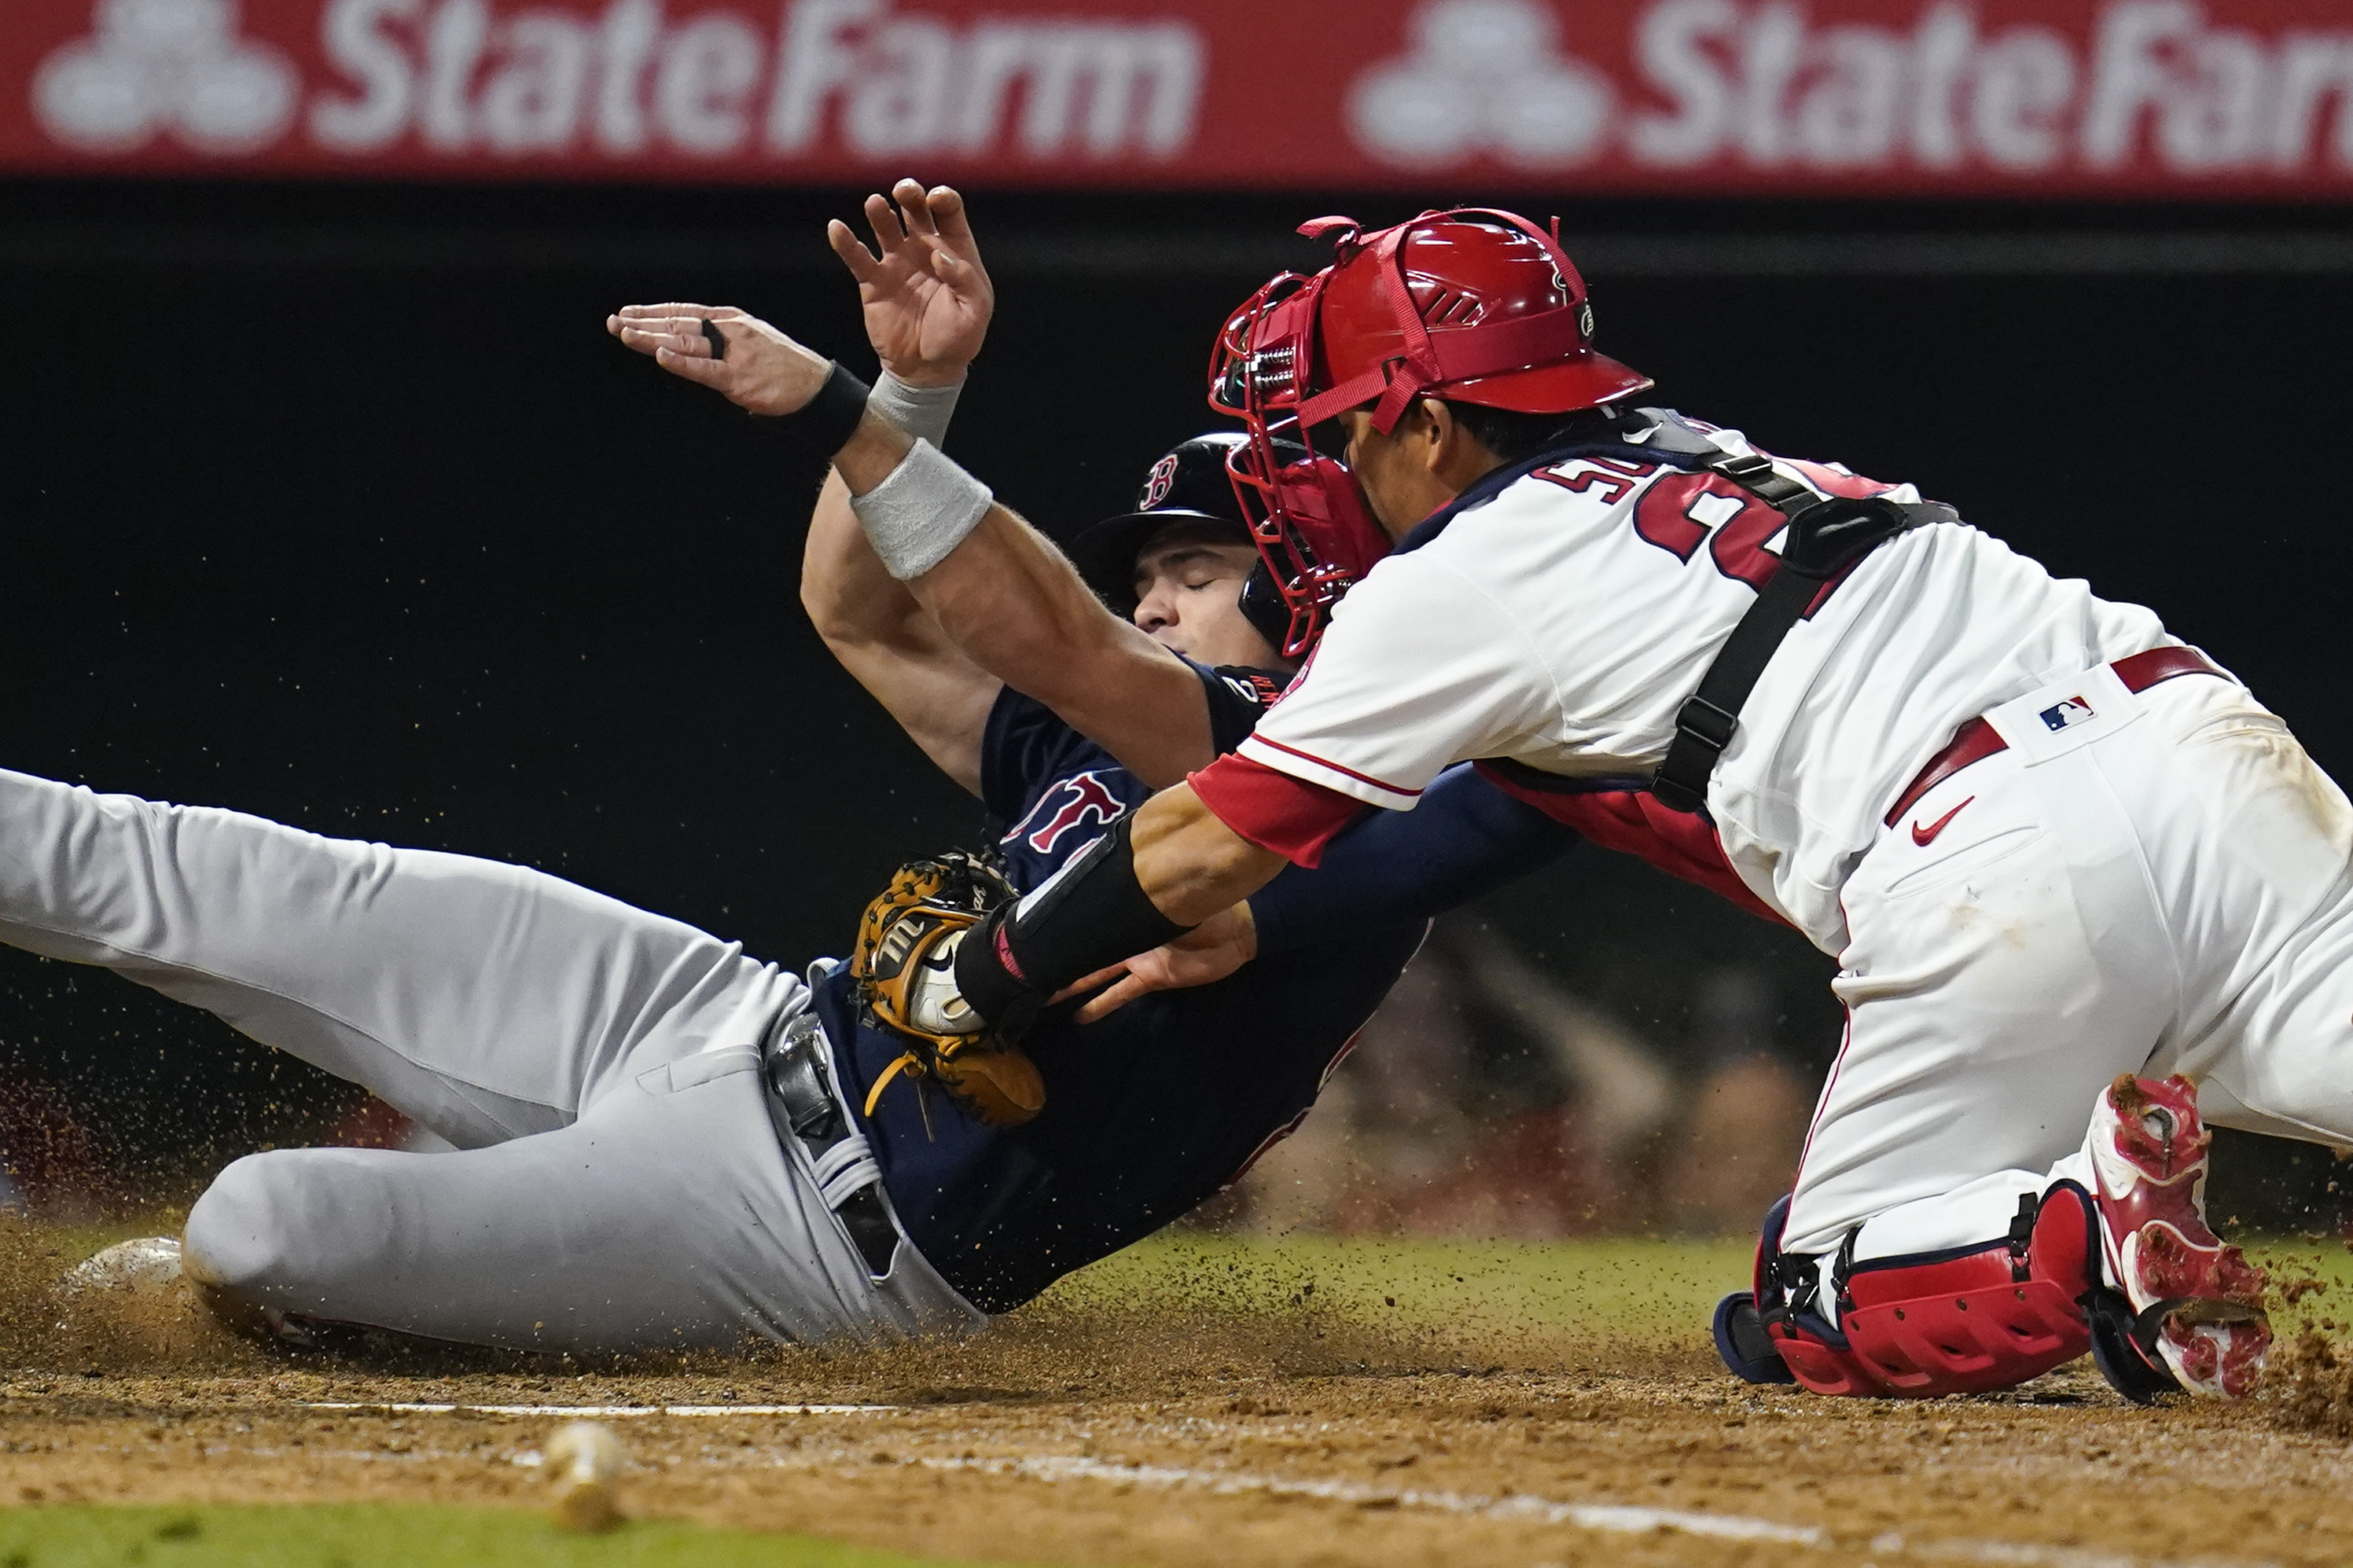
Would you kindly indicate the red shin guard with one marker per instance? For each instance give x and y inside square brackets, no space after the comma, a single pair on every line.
[1958,1322]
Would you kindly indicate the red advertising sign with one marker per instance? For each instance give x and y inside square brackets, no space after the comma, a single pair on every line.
[2138,97]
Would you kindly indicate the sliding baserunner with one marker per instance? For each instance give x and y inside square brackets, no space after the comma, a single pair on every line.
[663,1141]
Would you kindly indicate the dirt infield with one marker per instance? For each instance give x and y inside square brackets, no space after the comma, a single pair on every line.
[1221,1406]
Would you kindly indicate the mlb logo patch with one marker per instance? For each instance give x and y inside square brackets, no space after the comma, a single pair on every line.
[2067,714]
[2075,710]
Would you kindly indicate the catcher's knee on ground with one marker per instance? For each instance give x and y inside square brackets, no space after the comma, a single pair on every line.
[1916,1325]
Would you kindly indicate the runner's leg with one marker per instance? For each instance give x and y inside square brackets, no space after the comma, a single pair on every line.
[669,1215]
[485,1001]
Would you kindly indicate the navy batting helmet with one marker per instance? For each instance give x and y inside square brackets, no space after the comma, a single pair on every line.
[1191,484]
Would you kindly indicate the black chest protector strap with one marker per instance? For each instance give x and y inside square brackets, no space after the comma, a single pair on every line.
[1825,537]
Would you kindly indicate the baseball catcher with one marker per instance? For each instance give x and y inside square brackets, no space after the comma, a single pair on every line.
[2086,894]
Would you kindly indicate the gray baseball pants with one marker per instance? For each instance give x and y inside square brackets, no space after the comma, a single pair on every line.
[616,1184]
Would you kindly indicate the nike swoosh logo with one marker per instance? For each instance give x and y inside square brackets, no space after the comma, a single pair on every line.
[1924,837]
[1636,437]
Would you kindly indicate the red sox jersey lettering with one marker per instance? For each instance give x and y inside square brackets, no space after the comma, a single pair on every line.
[1070,802]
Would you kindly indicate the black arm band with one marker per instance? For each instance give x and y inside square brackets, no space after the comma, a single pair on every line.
[829,420]
[1091,916]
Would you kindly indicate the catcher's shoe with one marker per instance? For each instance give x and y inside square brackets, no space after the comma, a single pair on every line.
[2197,1304]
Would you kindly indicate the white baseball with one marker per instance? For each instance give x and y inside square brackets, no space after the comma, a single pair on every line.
[584,1462]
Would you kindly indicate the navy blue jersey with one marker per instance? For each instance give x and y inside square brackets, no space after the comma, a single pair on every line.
[1157,1106]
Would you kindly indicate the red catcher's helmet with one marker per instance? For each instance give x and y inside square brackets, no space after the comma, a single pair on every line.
[1472,304]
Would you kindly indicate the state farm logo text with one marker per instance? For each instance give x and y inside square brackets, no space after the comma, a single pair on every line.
[1765,87]
[2213,96]
[466,74]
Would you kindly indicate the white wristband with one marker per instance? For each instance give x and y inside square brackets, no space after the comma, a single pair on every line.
[922,411]
[914,517]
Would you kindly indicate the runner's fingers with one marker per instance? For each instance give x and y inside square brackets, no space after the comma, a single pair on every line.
[862,263]
[883,219]
[954,270]
[945,204]
[649,339]
[675,308]
[702,369]
[682,322]
[915,206]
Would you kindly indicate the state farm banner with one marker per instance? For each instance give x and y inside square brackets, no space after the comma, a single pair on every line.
[2142,98]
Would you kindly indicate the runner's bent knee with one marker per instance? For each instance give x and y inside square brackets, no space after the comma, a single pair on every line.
[238,1237]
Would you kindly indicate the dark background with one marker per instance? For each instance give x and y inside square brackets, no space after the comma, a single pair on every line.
[337,505]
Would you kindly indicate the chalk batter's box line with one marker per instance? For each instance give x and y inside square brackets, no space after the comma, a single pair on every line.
[583,1412]
[1609,1517]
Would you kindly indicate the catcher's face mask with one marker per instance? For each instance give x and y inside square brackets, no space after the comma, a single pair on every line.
[1306,513]
[1474,304]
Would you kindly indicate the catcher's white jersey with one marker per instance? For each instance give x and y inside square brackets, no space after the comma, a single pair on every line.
[1564,621]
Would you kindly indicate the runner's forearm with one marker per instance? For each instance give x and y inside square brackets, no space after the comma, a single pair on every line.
[1465,839]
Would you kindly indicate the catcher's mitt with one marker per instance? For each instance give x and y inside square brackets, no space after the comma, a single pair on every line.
[905,970]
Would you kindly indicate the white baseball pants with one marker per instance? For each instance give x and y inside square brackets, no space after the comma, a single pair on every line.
[2165,886]
[616,1184]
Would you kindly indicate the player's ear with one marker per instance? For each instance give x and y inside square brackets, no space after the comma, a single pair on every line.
[1442,438]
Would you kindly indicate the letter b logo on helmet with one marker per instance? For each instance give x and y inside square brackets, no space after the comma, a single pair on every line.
[1157,484]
